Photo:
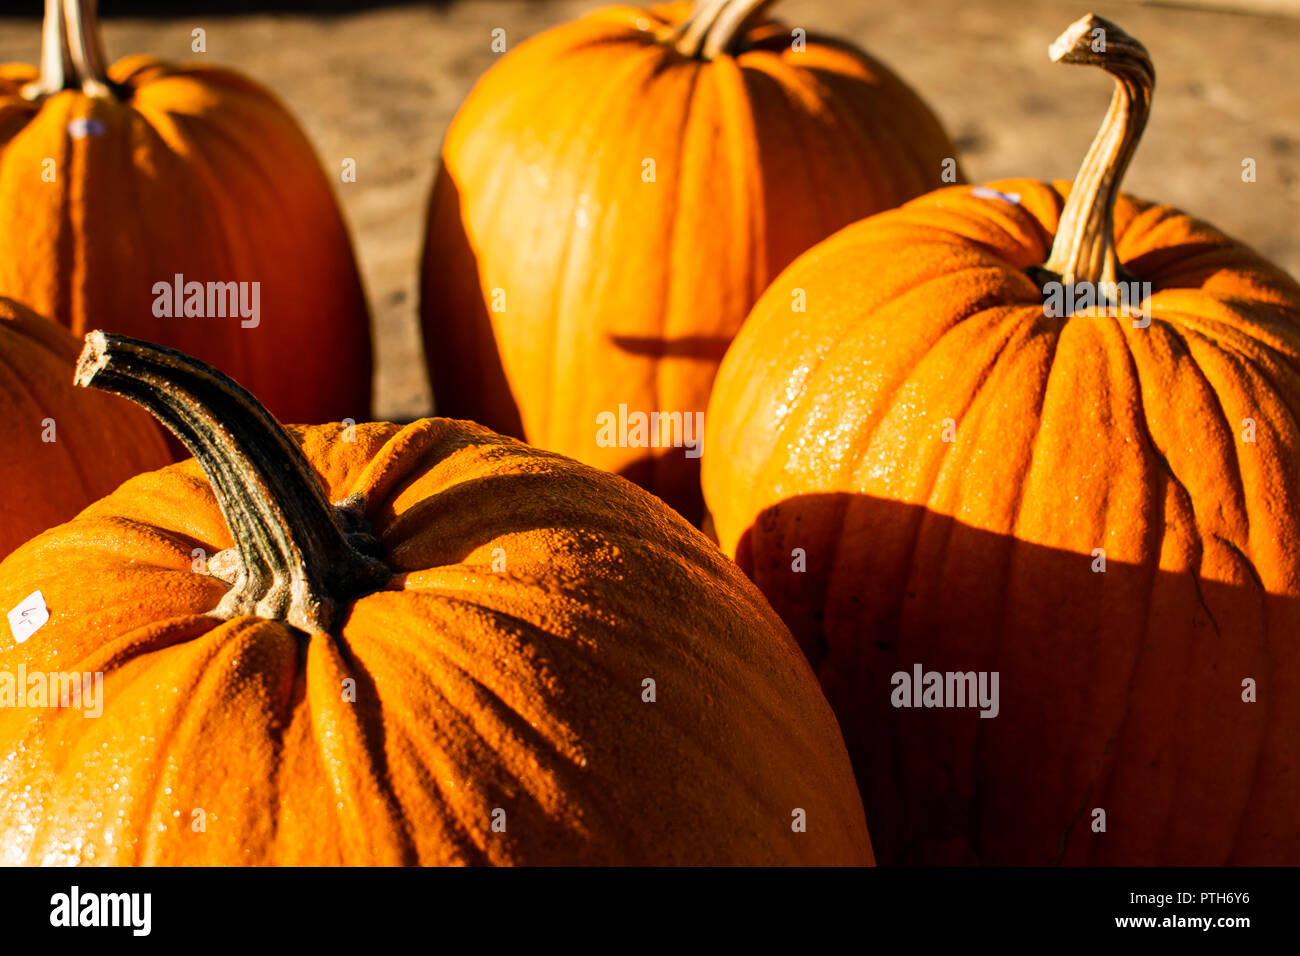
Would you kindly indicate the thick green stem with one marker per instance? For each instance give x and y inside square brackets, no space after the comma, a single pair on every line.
[714,26]
[1084,248]
[293,559]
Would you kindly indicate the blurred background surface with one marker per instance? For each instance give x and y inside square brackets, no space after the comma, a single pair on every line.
[378,83]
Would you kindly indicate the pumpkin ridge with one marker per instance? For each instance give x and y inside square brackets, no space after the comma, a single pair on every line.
[1016,529]
[560,743]
[1214,387]
[799,88]
[176,635]
[567,753]
[178,137]
[923,289]
[1232,469]
[14,379]
[1014,332]
[1103,776]
[899,126]
[1233,333]
[823,651]
[1065,834]
[994,654]
[598,116]
[385,475]
[925,489]
[203,674]
[341,730]
[1121,738]
[450,828]
[99,442]
[668,294]
[63,282]
[600,672]
[739,130]
[1164,474]
[971,832]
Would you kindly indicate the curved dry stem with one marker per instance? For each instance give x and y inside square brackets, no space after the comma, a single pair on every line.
[1084,248]
[293,559]
[87,46]
[72,52]
[56,59]
[714,26]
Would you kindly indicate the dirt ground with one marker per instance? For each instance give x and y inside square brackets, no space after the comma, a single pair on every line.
[380,86]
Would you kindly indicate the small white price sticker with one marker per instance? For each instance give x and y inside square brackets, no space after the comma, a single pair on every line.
[27,617]
[985,192]
[81,127]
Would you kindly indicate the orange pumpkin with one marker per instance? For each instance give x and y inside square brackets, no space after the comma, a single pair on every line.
[613,197]
[61,447]
[1100,507]
[483,654]
[183,204]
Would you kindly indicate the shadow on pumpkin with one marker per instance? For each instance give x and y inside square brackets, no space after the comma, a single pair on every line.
[662,472]
[704,347]
[1119,690]
[460,346]
[469,381]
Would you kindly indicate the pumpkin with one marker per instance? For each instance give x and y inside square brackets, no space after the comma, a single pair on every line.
[183,204]
[614,195]
[63,447]
[940,470]
[483,653]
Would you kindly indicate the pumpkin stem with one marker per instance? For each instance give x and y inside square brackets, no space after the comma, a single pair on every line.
[72,52]
[56,60]
[1084,248]
[713,26]
[294,559]
[87,46]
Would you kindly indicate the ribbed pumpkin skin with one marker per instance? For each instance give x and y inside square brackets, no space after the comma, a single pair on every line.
[475,689]
[619,291]
[1119,690]
[99,440]
[201,173]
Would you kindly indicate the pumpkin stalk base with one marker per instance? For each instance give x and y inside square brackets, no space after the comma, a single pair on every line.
[714,27]
[297,558]
[72,54]
[1050,283]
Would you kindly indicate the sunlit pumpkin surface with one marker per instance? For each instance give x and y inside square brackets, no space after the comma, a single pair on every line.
[189,171]
[608,210]
[951,459]
[503,667]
